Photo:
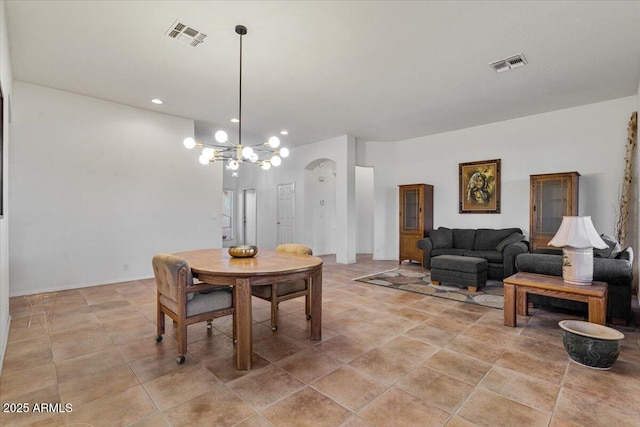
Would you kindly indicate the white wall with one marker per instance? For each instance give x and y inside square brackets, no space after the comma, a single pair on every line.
[589,139]
[320,207]
[341,150]
[6,84]
[98,188]
[382,156]
[365,197]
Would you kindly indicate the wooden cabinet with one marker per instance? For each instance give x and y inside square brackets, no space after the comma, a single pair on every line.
[552,196]
[416,219]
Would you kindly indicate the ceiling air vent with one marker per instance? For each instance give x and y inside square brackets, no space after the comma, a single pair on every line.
[184,33]
[510,63]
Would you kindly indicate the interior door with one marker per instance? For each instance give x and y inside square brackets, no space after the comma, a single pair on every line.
[250,217]
[286,218]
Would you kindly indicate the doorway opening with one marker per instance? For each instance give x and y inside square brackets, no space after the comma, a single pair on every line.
[249,217]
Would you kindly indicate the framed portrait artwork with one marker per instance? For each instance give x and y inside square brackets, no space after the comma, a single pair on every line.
[480,186]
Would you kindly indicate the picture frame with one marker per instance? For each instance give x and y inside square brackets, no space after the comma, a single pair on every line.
[479,186]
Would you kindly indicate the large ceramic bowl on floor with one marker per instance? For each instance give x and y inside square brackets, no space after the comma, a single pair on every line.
[589,344]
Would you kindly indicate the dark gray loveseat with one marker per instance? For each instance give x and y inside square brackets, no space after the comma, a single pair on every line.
[498,246]
[609,265]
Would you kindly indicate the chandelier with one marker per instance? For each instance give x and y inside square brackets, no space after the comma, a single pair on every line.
[265,154]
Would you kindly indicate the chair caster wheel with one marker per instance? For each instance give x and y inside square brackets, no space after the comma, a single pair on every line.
[308,317]
[180,360]
[209,326]
[159,338]
[274,328]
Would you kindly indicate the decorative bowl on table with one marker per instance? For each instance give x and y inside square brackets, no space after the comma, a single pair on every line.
[243,251]
[589,344]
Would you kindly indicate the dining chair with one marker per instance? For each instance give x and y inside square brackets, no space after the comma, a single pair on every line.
[187,302]
[278,292]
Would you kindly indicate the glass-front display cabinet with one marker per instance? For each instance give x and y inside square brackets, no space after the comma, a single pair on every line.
[552,196]
[416,219]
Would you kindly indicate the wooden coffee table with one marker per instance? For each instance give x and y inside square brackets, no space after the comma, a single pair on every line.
[518,286]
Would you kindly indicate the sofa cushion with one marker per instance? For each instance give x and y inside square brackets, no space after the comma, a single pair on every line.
[463,238]
[540,264]
[548,251]
[612,249]
[626,254]
[441,238]
[491,256]
[510,239]
[614,272]
[487,239]
[447,251]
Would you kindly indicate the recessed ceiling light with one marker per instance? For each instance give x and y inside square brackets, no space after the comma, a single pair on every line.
[157,101]
[284,132]
[234,120]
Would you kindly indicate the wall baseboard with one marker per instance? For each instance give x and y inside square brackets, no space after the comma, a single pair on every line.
[77,286]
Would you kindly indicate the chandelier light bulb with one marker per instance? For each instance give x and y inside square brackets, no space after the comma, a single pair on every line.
[265,155]
[247,152]
[189,143]
[274,142]
[221,136]
[209,153]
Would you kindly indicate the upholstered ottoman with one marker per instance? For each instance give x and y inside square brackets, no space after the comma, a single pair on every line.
[461,270]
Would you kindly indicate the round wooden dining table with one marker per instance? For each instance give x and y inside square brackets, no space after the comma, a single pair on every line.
[218,267]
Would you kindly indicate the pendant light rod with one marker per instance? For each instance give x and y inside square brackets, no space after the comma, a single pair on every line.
[241,30]
[264,154]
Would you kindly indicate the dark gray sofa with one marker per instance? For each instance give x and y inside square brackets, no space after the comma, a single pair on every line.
[498,246]
[614,267]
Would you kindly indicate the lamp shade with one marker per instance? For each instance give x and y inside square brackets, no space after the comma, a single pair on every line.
[577,232]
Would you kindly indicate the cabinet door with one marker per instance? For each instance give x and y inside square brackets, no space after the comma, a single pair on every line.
[553,197]
[551,205]
[411,212]
[409,247]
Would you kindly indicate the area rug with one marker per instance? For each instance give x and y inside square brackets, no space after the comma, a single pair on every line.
[491,295]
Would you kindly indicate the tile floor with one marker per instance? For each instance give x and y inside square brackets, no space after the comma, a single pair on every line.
[387,358]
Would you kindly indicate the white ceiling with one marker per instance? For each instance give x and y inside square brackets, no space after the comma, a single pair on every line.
[379,70]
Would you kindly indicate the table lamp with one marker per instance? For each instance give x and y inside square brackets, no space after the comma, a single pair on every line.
[577,237]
